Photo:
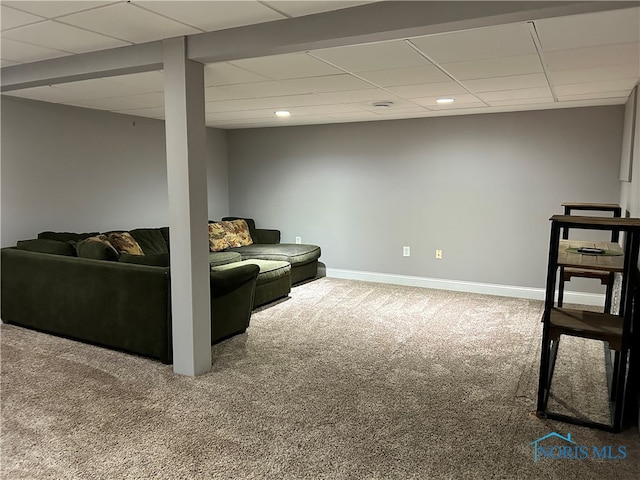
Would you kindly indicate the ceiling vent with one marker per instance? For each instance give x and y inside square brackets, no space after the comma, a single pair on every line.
[384,104]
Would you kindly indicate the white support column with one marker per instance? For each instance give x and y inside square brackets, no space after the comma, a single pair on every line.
[187,181]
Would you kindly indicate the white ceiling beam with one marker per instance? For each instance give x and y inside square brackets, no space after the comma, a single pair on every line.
[375,22]
[372,22]
[144,57]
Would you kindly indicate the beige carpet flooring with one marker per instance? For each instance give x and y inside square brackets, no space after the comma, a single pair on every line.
[343,380]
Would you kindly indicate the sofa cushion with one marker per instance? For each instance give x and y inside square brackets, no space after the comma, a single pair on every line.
[223,258]
[66,236]
[123,242]
[150,240]
[97,248]
[153,259]
[44,245]
[250,223]
[295,254]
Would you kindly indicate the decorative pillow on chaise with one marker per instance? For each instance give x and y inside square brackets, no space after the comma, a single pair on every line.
[239,235]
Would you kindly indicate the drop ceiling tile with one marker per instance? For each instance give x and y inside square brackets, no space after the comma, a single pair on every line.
[543,93]
[405,76]
[401,112]
[24,53]
[354,115]
[373,56]
[459,106]
[591,57]
[216,94]
[481,43]
[309,7]
[8,63]
[614,72]
[368,95]
[596,87]
[507,83]
[267,89]
[144,82]
[146,100]
[239,115]
[213,15]
[52,34]
[286,101]
[589,29]
[427,90]
[463,99]
[53,9]
[287,66]
[622,95]
[268,102]
[217,74]
[495,67]
[45,93]
[520,101]
[127,22]
[331,83]
[324,109]
[228,106]
[11,18]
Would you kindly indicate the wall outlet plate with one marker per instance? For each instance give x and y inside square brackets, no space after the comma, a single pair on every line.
[406,251]
[439,254]
[298,240]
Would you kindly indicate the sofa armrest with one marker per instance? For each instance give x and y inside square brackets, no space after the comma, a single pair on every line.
[264,235]
[232,293]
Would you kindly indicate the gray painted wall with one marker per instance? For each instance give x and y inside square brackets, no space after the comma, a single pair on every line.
[75,169]
[479,187]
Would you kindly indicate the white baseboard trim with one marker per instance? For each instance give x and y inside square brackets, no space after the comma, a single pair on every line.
[580,298]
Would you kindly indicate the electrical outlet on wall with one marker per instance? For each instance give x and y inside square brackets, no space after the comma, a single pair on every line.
[298,240]
[438,254]
[406,251]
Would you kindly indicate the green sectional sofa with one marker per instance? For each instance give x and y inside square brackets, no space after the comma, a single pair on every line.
[281,264]
[63,284]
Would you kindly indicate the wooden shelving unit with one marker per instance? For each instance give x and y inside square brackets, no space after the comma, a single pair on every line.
[616,330]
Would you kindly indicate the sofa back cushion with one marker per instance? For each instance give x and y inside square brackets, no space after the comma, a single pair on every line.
[151,240]
[98,248]
[65,236]
[153,259]
[44,245]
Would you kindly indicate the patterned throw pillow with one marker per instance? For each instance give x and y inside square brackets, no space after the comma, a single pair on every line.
[217,237]
[125,243]
[97,247]
[240,235]
[228,234]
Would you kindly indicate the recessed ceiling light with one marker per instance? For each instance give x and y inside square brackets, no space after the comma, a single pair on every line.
[384,104]
[444,101]
[283,113]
